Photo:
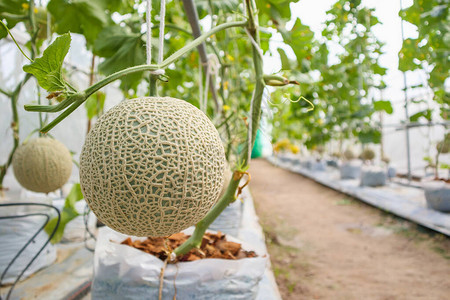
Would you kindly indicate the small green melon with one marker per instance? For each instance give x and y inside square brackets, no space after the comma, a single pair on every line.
[152,166]
[42,165]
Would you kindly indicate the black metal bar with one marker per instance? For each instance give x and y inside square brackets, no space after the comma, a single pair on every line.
[30,240]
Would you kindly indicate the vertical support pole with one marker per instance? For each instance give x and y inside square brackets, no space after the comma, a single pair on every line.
[408,150]
[192,16]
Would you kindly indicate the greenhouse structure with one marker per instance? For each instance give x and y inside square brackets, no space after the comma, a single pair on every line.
[224,150]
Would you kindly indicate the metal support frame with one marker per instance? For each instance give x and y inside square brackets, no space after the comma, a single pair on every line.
[8,295]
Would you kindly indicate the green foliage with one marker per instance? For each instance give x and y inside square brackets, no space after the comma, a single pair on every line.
[15,9]
[94,104]
[79,16]
[68,213]
[383,105]
[121,49]
[339,94]
[430,50]
[48,68]
[421,114]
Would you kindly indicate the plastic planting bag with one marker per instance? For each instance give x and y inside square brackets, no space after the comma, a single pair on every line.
[373,177]
[351,170]
[229,220]
[15,233]
[123,272]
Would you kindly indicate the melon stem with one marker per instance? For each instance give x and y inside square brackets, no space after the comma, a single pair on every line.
[195,239]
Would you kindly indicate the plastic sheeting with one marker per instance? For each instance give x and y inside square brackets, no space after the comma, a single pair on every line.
[229,220]
[373,177]
[14,234]
[122,272]
[438,196]
[350,170]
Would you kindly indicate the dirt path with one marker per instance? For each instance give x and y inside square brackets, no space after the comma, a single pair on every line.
[324,245]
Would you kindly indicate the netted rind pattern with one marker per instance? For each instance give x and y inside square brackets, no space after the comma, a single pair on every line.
[42,165]
[152,166]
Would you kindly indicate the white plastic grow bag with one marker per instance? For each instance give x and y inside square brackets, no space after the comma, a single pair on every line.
[15,233]
[122,272]
[229,221]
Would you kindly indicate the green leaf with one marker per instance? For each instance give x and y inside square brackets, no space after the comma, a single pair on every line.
[121,49]
[265,38]
[285,62]
[48,68]
[421,114]
[74,196]
[383,106]
[94,104]
[301,40]
[80,16]
[13,7]
[68,214]
[369,135]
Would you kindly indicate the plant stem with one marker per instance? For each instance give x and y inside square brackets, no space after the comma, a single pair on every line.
[79,100]
[14,40]
[14,126]
[175,56]
[7,94]
[153,88]
[200,229]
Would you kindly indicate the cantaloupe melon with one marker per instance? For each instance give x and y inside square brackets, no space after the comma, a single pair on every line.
[368,154]
[152,166]
[349,154]
[42,165]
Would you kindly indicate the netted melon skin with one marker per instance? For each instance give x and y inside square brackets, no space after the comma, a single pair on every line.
[152,166]
[42,165]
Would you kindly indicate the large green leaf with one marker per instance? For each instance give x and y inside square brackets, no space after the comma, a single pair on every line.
[121,49]
[383,105]
[68,213]
[79,16]
[48,68]
[301,40]
[277,11]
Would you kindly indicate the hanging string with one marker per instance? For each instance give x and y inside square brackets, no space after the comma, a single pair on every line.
[162,16]
[149,32]
[212,71]
[205,92]
[200,85]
